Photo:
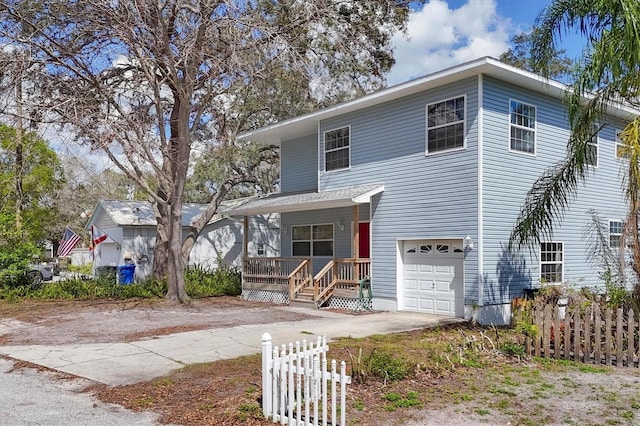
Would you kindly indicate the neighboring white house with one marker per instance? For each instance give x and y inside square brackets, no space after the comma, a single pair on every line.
[131,230]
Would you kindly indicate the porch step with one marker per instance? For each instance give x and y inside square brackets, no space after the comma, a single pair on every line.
[302,303]
[304,299]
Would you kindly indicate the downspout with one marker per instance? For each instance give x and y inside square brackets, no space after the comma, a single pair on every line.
[480,189]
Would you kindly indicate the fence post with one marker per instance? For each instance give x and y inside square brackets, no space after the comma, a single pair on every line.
[334,402]
[619,332]
[343,392]
[631,348]
[266,379]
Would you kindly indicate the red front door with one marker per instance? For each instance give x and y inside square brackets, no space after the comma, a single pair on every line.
[363,245]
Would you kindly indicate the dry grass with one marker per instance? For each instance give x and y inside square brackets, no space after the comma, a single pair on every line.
[451,378]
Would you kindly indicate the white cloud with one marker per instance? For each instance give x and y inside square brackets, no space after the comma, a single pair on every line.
[440,37]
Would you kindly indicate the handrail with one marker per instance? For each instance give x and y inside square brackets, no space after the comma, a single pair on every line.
[324,282]
[269,271]
[296,274]
[343,273]
[295,282]
[324,270]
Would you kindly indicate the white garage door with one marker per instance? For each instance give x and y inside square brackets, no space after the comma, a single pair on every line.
[433,279]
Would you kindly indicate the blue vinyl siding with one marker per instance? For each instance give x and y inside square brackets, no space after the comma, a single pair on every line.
[509,175]
[425,197]
[436,196]
[342,238]
[299,164]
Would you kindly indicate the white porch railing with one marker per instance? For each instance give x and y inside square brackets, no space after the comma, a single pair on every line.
[296,382]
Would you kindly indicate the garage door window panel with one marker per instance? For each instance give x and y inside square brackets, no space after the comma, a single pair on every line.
[426,248]
[442,248]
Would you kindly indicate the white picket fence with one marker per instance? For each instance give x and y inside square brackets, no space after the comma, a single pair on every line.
[295,382]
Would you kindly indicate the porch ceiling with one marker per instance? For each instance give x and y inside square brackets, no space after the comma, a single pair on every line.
[282,203]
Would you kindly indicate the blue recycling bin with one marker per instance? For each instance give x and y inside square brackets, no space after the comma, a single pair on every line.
[126,274]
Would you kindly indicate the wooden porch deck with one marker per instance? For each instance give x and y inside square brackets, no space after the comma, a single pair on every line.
[341,277]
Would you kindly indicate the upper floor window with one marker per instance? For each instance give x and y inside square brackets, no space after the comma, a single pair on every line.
[312,240]
[522,127]
[621,147]
[615,233]
[336,149]
[445,125]
[592,147]
[551,262]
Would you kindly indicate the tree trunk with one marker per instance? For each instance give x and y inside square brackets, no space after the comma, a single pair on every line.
[161,248]
[19,157]
[176,290]
[177,162]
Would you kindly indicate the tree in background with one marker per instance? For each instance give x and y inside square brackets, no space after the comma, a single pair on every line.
[146,82]
[519,56]
[608,71]
[213,166]
[40,176]
[83,187]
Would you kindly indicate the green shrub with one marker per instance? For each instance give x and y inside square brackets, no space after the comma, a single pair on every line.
[388,367]
[223,281]
[377,364]
[199,282]
[512,349]
[81,269]
[396,400]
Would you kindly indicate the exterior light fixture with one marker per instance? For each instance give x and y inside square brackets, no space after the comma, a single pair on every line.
[468,243]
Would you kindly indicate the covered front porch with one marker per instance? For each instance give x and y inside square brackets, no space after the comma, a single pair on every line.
[325,248]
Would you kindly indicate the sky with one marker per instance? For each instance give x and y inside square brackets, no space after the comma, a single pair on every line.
[446,33]
[443,33]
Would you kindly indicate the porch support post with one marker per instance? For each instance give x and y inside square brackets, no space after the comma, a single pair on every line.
[356,231]
[245,236]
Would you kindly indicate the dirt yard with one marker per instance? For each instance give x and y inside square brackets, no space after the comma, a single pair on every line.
[488,389]
[55,323]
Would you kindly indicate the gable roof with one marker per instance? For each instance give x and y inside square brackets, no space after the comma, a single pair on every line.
[305,125]
[140,213]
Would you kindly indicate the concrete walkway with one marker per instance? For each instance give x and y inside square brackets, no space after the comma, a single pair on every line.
[126,363]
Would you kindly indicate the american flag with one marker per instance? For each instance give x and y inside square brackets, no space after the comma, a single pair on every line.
[69,240]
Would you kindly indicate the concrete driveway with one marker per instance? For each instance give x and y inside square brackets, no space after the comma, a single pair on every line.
[118,363]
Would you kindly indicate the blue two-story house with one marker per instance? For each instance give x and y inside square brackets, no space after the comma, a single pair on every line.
[417,188]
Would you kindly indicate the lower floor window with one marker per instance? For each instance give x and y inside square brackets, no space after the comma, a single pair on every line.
[551,262]
[615,233]
[312,240]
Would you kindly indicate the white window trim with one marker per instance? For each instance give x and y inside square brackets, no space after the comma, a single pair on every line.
[535,129]
[311,238]
[610,234]
[596,126]
[540,263]
[618,142]
[464,127]
[261,247]
[324,149]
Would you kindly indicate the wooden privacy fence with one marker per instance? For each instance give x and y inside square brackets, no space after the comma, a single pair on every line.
[586,335]
[295,383]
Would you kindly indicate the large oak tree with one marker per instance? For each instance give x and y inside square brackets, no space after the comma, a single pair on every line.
[147,82]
